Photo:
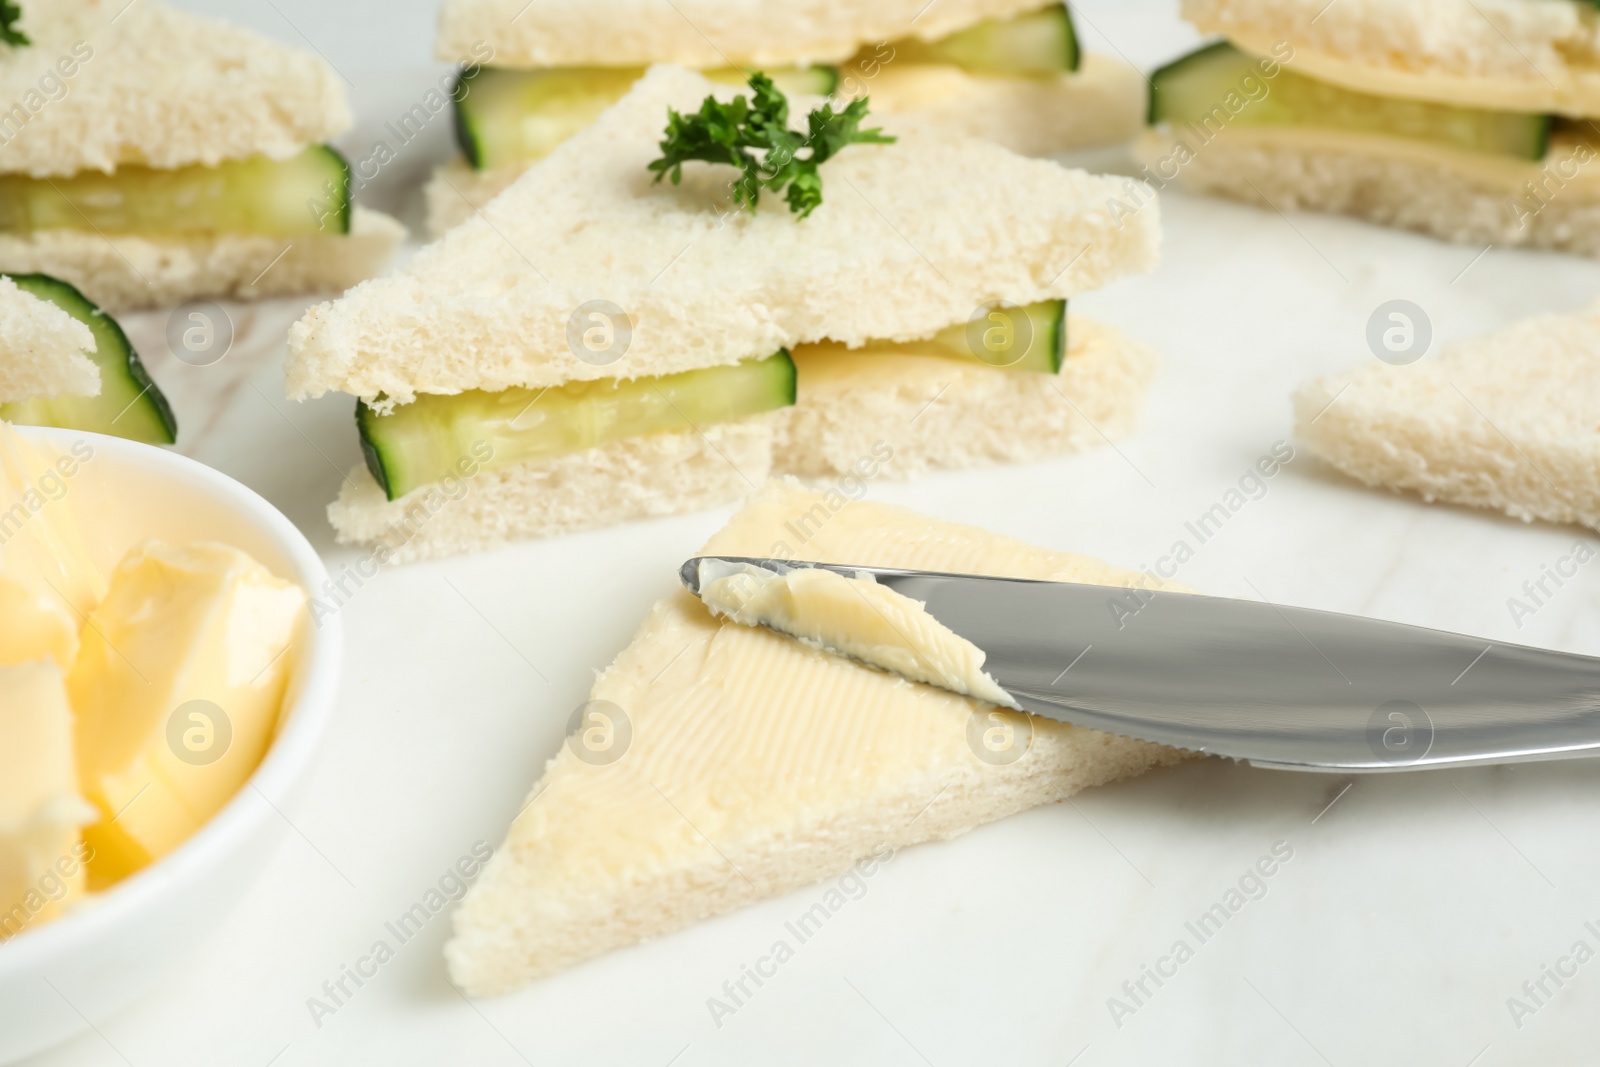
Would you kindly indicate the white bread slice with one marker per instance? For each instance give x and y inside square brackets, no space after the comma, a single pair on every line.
[758,764]
[697,33]
[124,272]
[912,237]
[1101,104]
[42,349]
[1507,422]
[634,478]
[1470,198]
[155,85]
[1511,55]
[947,413]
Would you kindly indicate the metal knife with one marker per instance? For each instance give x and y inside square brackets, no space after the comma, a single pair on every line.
[1277,686]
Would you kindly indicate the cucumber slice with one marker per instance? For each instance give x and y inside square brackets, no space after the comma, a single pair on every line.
[508,116]
[129,405]
[1043,42]
[434,437]
[1028,338]
[1212,88]
[308,193]
[503,116]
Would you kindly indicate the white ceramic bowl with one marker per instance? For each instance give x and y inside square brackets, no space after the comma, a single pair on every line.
[57,979]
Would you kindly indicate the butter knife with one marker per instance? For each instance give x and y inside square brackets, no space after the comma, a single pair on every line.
[1276,686]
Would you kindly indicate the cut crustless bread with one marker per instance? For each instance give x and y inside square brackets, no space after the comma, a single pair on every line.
[1516,55]
[757,764]
[696,33]
[123,272]
[1509,422]
[42,349]
[912,237]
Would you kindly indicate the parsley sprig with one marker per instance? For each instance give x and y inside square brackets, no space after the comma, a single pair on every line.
[9,14]
[756,138]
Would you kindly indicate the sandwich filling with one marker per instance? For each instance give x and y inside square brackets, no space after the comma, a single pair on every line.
[307,193]
[426,441]
[1221,88]
[505,116]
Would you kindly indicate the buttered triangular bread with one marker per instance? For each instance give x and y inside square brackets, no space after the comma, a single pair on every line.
[42,349]
[1510,421]
[718,764]
[911,238]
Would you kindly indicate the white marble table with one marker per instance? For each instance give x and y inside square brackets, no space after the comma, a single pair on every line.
[1408,912]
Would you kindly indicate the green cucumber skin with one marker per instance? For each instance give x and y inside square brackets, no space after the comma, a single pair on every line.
[382,454]
[1074,45]
[1058,351]
[366,427]
[1532,142]
[1159,77]
[116,357]
[461,122]
[345,188]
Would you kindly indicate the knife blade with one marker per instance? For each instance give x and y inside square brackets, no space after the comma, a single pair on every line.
[1276,686]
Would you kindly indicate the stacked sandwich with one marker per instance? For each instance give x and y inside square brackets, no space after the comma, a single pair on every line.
[1465,119]
[64,362]
[598,346]
[1007,70]
[717,764]
[148,156]
[1505,422]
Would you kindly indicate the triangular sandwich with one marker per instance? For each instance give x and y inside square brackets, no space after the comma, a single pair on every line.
[150,156]
[1011,71]
[1468,124]
[597,346]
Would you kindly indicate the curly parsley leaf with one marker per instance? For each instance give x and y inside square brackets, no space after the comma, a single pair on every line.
[9,14]
[754,136]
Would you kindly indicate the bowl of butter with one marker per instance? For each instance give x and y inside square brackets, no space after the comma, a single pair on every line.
[163,685]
